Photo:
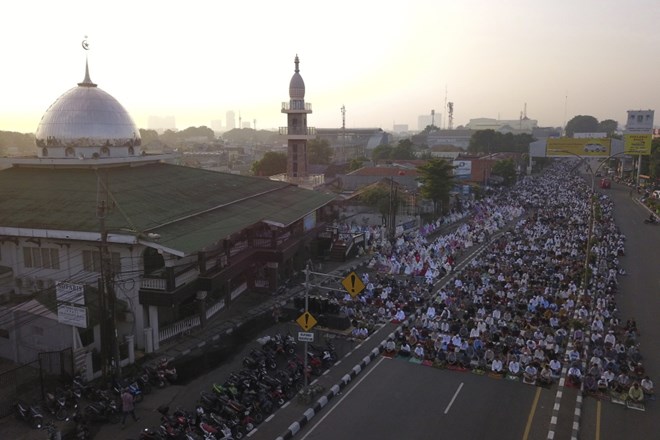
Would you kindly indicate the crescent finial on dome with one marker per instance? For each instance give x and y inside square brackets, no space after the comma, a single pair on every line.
[297,61]
[87,82]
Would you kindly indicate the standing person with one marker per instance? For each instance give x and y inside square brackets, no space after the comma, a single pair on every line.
[127,407]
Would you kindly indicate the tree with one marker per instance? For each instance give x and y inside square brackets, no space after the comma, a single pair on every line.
[608,126]
[148,136]
[652,162]
[581,124]
[383,197]
[437,179]
[381,152]
[272,163]
[404,150]
[319,151]
[506,169]
[484,141]
[355,164]
[491,141]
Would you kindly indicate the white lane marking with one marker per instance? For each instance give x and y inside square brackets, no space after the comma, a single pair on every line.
[453,398]
[341,400]
[270,417]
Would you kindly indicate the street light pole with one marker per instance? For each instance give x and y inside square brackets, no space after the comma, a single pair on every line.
[592,207]
[306,312]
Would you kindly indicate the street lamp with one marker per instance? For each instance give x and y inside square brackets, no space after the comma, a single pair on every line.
[593,173]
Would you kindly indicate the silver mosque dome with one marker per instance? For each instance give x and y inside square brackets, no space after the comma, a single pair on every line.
[87,122]
[297,85]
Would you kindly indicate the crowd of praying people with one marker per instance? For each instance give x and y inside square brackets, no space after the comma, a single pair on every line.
[519,309]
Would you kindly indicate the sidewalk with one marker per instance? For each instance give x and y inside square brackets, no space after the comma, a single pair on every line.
[217,345]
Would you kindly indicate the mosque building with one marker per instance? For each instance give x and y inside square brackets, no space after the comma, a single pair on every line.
[97,236]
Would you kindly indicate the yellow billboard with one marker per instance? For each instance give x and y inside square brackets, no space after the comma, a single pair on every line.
[578,147]
[637,144]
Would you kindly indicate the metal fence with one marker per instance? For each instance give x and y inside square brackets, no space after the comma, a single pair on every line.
[31,381]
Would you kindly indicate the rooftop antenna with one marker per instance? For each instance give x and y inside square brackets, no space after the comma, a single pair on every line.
[450,115]
[565,112]
[445,102]
[343,131]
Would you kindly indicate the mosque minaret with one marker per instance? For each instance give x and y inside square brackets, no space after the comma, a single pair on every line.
[296,130]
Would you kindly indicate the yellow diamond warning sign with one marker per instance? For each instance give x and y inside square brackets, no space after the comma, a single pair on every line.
[306,321]
[353,284]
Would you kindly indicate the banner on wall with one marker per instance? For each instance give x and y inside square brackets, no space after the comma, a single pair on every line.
[566,147]
[637,144]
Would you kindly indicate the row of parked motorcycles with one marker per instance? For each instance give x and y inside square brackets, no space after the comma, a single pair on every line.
[104,404]
[271,376]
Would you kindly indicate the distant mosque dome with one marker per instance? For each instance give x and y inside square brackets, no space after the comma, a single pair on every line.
[297,85]
[87,123]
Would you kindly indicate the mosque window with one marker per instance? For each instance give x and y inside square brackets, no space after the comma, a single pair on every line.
[131,151]
[69,152]
[44,152]
[44,258]
[105,151]
[92,261]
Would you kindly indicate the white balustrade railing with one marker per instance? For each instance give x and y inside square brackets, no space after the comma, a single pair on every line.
[237,291]
[185,325]
[153,283]
[215,308]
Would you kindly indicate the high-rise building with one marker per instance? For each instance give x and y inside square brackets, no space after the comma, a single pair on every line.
[230,119]
[425,120]
[216,125]
[161,123]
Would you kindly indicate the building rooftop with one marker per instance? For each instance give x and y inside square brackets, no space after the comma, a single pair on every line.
[179,209]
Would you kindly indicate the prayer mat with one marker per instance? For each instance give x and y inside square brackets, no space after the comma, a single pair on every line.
[570,384]
[479,372]
[415,360]
[456,368]
[636,405]
[388,355]
[529,382]
[427,363]
[495,376]
[619,399]
[512,377]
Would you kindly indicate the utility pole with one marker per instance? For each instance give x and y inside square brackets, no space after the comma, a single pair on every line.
[109,336]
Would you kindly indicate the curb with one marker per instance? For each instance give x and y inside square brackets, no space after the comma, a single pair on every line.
[295,427]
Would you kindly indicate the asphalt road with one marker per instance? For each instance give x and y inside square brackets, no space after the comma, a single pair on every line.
[639,298]
[397,399]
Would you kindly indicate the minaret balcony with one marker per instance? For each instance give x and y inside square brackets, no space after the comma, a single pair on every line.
[296,106]
[298,131]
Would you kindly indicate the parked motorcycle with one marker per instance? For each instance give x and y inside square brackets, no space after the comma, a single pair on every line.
[56,405]
[168,370]
[103,411]
[30,414]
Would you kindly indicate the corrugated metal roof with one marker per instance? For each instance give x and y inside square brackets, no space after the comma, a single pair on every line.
[189,208]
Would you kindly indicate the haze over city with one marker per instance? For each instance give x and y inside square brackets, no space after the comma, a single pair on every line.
[387,62]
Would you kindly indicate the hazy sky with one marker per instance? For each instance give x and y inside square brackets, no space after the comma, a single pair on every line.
[386,61]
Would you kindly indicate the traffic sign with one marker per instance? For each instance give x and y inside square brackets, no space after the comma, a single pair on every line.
[306,321]
[353,284]
[305,337]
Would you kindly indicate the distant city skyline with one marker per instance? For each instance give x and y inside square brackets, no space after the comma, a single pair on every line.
[386,63]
